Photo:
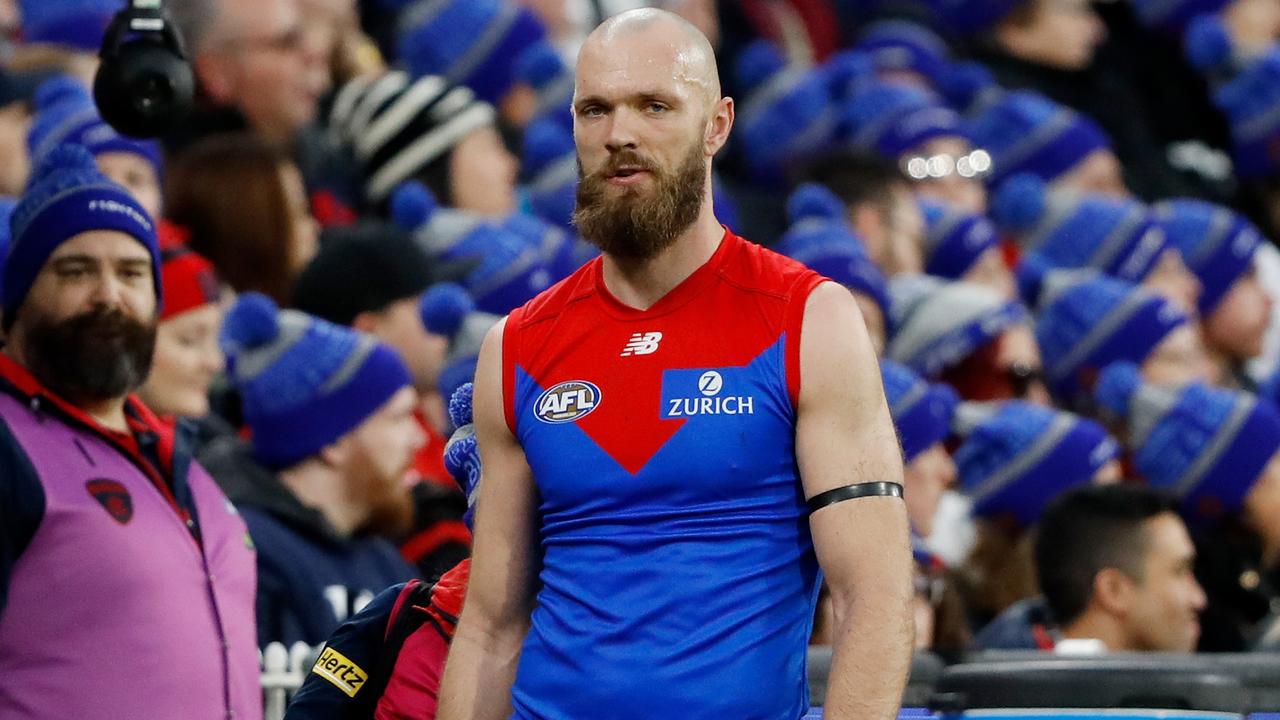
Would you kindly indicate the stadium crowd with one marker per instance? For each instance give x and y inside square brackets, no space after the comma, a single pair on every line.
[1057,217]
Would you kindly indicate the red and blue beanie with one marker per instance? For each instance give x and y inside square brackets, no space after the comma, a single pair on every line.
[65,113]
[304,382]
[921,410]
[1018,456]
[66,196]
[1205,445]
[475,43]
[1026,132]
[1216,242]
[189,282]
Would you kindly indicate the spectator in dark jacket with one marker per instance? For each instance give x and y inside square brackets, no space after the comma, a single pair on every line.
[330,412]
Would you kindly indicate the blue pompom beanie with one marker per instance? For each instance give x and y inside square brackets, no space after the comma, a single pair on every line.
[954,239]
[304,382]
[937,323]
[65,113]
[1206,445]
[787,113]
[446,309]
[820,238]
[893,119]
[66,196]
[1216,242]
[475,43]
[508,270]
[921,411]
[1026,132]
[1069,230]
[1018,456]
[1250,103]
[1088,321]
[75,24]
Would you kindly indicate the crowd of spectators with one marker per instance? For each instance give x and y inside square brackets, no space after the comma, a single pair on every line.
[1058,218]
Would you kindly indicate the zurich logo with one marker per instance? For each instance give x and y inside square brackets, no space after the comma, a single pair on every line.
[567,402]
[710,383]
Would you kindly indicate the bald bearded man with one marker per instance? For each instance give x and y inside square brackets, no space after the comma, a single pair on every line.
[676,442]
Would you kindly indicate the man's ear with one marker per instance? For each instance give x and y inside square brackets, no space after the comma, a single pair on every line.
[213,72]
[335,453]
[1113,591]
[719,125]
[366,322]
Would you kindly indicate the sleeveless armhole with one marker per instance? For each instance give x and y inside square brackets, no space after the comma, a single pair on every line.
[509,356]
[792,324]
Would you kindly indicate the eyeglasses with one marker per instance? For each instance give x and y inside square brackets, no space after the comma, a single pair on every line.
[1022,376]
[935,167]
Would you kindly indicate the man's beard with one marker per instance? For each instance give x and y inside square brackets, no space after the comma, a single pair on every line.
[632,224]
[92,357]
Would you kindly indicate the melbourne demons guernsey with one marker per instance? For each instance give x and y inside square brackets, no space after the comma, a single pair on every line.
[678,577]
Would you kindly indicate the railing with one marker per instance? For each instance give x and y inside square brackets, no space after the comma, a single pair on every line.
[283,670]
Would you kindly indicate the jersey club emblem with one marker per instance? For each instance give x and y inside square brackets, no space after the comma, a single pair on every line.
[113,497]
[642,344]
[566,402]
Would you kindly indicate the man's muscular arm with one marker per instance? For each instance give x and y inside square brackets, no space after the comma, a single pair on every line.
[844,435]
[486,647]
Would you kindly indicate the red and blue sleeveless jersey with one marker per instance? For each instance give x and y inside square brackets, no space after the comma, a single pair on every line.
[677,576]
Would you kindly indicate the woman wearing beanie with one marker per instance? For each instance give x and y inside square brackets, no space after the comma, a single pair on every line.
[1218,453]
[820,238]
[968,336]
[962,245]
[1059,230]
[401,128]
[1017,457]
[1235,311]
[1087,321]
[187,357]
[246,208]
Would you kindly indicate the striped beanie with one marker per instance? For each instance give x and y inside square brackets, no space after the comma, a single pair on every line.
[505,269]
[1206,445]
[820,238]
[475,43]
[65,113]
[447,310]
[1027,132]
[1251,104]
[1217,243]
[893,119]
[1069,230]
[937,323]
[954,239]
[921,410]
[397,126]
[1018,456]
[1088,321]
[304,382]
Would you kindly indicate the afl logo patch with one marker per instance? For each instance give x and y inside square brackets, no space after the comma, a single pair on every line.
[567,402]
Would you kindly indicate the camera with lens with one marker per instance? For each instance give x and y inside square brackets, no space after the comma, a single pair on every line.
[145,84]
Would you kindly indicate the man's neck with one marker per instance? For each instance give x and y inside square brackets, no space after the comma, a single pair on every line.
[108,413]
[641,283]
[1095,626]
[321,488]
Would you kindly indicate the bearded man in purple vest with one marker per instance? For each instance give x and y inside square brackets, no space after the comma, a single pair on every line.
[126,578]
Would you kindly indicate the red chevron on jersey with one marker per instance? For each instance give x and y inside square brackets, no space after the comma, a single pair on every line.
[600,364]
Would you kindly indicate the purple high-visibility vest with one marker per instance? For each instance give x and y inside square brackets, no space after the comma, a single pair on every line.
[114,610]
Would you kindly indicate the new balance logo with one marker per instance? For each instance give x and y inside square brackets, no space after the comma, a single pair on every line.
[642,344]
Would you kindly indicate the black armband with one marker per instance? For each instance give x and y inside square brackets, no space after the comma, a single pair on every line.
[853,492]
